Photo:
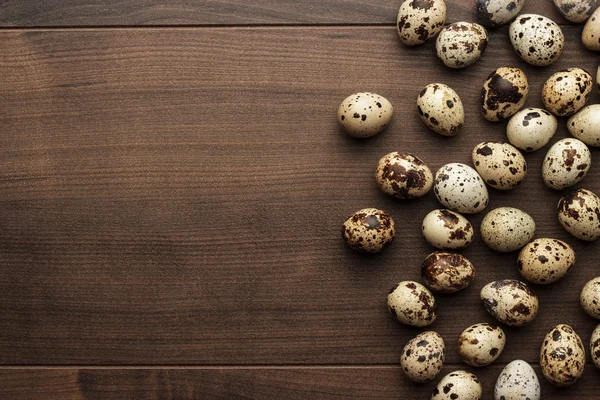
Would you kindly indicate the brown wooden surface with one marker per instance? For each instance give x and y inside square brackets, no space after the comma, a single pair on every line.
[172,197]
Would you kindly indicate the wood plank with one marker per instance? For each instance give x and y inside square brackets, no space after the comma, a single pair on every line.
[250,383]
[175,197]
[27,13]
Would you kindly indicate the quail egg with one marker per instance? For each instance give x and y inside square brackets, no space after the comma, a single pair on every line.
[567,91]
[460,188]
[419,20]
[458,385]
[445,272]
[447,230]
[566,163]
[510,301]
[504,93]
[595,346]
[363,115]
[517,381]
[590,298]
[545,261]
[507,229]
[492,13]
[441,109]
[579,214]
[481,344]
[500,165]
[577,11]
[536,39]
[369,230]
[461,44]
[403,176]
[423,357]
[585,125]
[590,36]
[412,304]
[531,129]
[562,356]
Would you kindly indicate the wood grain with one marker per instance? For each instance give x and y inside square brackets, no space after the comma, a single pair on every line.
[27,13]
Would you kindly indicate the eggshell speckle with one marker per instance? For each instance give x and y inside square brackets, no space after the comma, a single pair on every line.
[403,176]
[507,229]
[517,381]
[419,20]
[461,44]
[595,346]
[423,357]
[590,298]
[363,115]
[493,13]
[567,91]
[504,92]
[369,230]
[536,39]
[460,188]
[585,125]
[562,356]
[590,36]
[531,129]
[481,344]
[510,301]
[566,163]
[579,214]
[412,304]
[500,165]
[441,109]
[447,230]
[577,11]
[458,385]
[445,272]
[545,261]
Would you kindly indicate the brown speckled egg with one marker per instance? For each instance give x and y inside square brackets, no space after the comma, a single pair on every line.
[566,163]
[590,298]
[590,36]
[447,230]
[423,357]
[460,188]
[492,13]
[458,385]
[579,214]
[507,229]
[441,109]
[481,344]
[562,356]
[585,125]
[419,20]
[412,304]
[445,272]
[461,44]
[545,261]
[363,115]
[500,165]
[403,176]
[595,346]
[510,301]
[577,11]
[531,129]
[504,93]
[536,39]
[567,91]
[517,381]
[369,230]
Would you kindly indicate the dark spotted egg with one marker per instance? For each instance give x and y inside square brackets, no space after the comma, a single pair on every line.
[579,214]
[567,91]
[369,230]
[544,261]
[577,11]
[460,188]
[590,298]
[537,39]
[510,301]
[531,129]
[419,20]
[458,385]
[562,356]
[403,176]
[494,13]
[445,272]
[481,344]
[504,92]
[412,304]
[461,44]
[441,109]
[566,163]
[447,230]
[590,36]
[507,229]
[363,115]
[595,346]
[423,357]
[500,165]
[585,125]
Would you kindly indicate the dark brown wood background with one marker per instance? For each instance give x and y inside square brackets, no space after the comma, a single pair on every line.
[172,184]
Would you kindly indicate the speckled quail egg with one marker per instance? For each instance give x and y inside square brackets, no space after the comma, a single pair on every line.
[458,385]
[447,230]
[531,129]
[481,344]
[585,125]
[423,357]
[419,20]
[510,301]
[590,36]
[369,230]
[507,229]
[590,298]
[500,165]
[545,260]
[412,304]
[567,91]
[562,356]
[517,381]
[577,11]
[446,272]
[460,188]
[441,109]
[536,39]
[595,346]
[493,13]
[461,44]
[363,115]
[566,163]
[579,214]
[504,93]
[403,176]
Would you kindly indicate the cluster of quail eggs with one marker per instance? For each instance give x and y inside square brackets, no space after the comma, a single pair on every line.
[463,189]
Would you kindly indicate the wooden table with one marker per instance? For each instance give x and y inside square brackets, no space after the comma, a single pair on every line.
[172,185]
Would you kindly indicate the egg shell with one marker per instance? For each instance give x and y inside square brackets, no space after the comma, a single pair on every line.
[590,298]
[492,13]
[531,129]
[447,230]
[517,381]
[403,176]
[441,109]
[510,301]
[507,229]
[562,356]
[598,78]
[481,344]
[504,93]
[595,346]
[579,214]
[363,115]
[590,36]
[461,44]
[419,20]
[500,165]
[566,163]
[577,11]
[585,125]
[458,385]
[423,357]
[567,91]
[460,188]
[537,39]
[412,304]
[445,272]
[544,261]
[369,230]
